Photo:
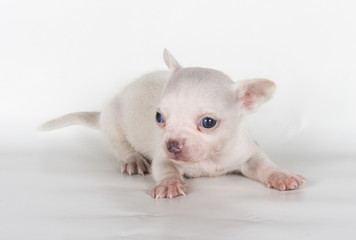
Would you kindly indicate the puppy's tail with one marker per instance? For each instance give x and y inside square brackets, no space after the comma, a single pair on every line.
[89,119]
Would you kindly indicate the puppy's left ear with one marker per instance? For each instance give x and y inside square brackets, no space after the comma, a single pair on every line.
[252,93]
[170,61]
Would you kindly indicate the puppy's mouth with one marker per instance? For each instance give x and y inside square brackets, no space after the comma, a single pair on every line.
[181,153]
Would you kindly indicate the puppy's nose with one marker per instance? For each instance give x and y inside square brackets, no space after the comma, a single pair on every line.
[174,146]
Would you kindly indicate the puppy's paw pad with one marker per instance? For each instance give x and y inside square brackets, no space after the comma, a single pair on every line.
[135,165]
[285,181]
[169,188]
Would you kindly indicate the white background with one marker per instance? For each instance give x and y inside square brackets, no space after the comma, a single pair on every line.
[63,56]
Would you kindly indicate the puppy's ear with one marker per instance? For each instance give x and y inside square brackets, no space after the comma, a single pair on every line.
[251,94]
[170,61]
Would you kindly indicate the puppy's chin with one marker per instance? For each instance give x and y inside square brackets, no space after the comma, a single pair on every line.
[181,162]
[180,159]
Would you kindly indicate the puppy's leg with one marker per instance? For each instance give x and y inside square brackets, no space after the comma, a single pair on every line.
[169,180]
[133,162]
[259,167]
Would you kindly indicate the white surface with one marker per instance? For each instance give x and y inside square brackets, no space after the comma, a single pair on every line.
[63,56]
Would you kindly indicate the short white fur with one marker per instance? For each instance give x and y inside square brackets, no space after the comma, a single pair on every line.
[183,96]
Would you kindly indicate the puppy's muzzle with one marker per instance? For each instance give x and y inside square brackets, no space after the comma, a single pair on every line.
[175,146]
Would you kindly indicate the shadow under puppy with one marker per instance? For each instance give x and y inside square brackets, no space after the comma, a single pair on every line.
[186,121]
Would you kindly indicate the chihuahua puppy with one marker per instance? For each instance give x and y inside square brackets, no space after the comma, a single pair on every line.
[186,122]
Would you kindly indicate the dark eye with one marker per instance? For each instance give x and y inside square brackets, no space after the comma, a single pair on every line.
[208,122]
[159,118]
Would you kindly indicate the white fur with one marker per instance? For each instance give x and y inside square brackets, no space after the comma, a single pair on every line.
[184,96]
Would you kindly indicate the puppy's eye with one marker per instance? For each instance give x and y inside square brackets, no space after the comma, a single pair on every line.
[159,118]
[208,122]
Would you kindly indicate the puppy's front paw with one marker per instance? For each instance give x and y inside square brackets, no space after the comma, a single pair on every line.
[169,188]
[136,164]
[284,181]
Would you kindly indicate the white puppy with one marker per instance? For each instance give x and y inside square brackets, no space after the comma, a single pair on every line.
[186,122]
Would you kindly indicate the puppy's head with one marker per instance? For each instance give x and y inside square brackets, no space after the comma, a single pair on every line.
[200,109]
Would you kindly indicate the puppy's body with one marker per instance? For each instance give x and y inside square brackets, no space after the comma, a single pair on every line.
[127,117]
[201,130]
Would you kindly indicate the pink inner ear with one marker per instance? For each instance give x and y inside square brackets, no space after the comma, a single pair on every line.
[255,92]
[246,100]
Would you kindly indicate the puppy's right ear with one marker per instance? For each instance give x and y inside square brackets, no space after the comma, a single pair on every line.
[252,93]
[170,61]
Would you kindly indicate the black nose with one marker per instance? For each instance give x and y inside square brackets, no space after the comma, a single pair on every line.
[174,146]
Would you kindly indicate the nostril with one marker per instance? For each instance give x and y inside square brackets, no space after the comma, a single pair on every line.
[174,146]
